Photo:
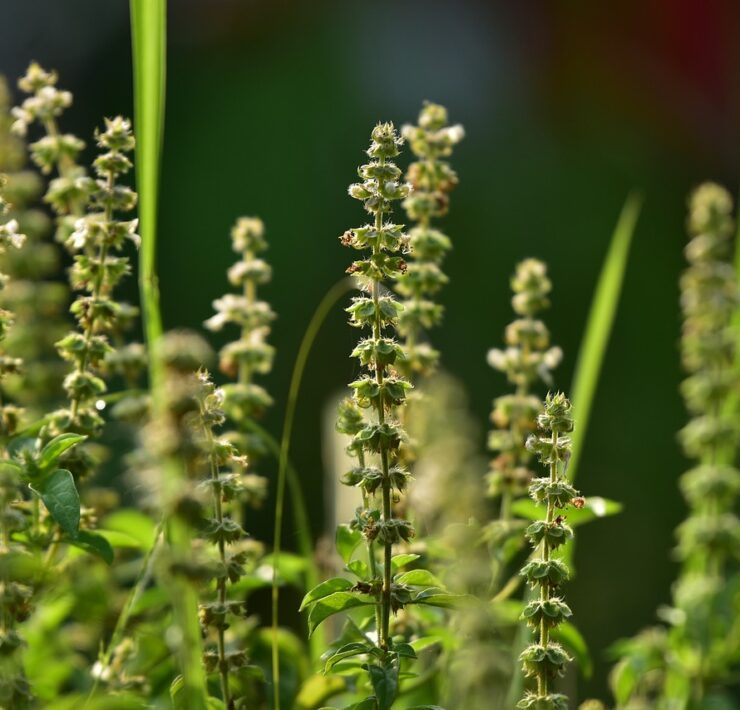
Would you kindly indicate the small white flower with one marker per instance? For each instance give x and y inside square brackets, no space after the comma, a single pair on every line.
[9,231]
[78,238]
[216,322]
[132,235]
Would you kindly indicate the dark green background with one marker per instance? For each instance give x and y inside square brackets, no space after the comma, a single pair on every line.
[567,107]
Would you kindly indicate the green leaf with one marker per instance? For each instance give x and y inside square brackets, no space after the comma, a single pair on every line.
[425,642]
[56,447]
[366,704]
[61,499]
[347,541]
[599,325]
[336,584]
[595,507]
[120,540]
[624,679]
[318,688]
[359,568]
[440,598]
[132,523]
[385,684]
[398,561]
[404,650]
[334,604]
[290,568]
[418,578]
[93,543]
[347,651]
[571,638]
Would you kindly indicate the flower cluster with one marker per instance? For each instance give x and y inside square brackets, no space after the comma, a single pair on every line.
[377,436]
[709,538]
[676,666]
[202,482]
[528,359]
[250,354]
[544,659]
[709,299]
[38,301]
[432,179]
[97,242]
[68,192]
[15,595]
[10,238]
[225,534]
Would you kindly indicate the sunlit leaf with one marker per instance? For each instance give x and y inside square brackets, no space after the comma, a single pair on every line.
[336,584]
[56,447]
[347,541]
[418,578]
[334,604]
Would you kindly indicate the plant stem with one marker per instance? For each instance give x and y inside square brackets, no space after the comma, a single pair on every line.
[317,319]
[218,511]
[387,512]
[95,297]
[122,622]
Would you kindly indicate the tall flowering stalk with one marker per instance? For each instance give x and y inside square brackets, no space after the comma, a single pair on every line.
[381,390]
[97,242]
[377,434]
[32,293]
[432,179]
[527,360]
[250,354]
[10,237]
[544,659]
[67,193]
[689,662]
[170,468]
[225,479]
[15,595]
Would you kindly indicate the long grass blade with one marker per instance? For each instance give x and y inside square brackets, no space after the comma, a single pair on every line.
[322,311]
[599,324]
[149,42]
[149,37]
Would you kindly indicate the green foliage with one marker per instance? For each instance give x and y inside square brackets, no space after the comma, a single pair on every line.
[425,604]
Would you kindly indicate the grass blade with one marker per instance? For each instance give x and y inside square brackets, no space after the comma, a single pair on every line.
[149,41]
[149,37]
[599,324]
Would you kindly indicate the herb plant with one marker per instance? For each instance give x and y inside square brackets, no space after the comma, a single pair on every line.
[689,662]
[128,577]
[432,179]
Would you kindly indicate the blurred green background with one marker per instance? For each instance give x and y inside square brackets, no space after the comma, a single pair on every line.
[567,106]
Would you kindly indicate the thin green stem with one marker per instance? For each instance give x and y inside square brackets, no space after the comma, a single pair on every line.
[142,580]
[370,545]
[387,512]
[319,316]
